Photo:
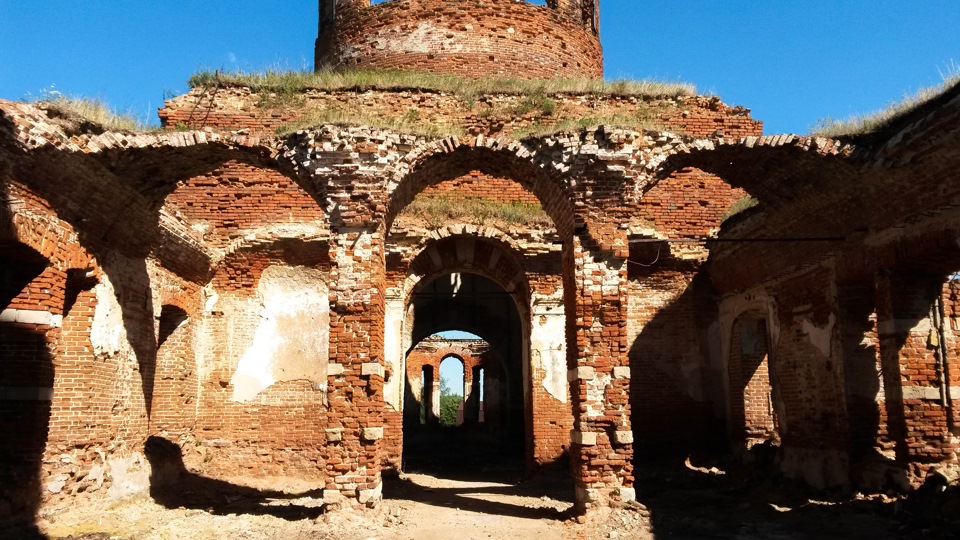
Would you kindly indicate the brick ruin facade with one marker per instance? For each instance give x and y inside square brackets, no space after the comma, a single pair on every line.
[266,302]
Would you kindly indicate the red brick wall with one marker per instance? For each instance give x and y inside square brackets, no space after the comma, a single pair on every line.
[810,384]
[470,38]
[239,197]
[477,185]
[666,321]
[690,203]
[919,421]
[751,404]
[234,108]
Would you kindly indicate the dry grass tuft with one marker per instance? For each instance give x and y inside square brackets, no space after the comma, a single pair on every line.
[439,209]
[285,82]
[639,122]
[740,205]
[407,123]
[93,111]
[873,122]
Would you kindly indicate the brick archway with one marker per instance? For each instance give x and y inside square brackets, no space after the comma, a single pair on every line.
[454,157]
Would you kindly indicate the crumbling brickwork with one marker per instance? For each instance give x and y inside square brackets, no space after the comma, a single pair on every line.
[238,108]
[265,302]
[473,38]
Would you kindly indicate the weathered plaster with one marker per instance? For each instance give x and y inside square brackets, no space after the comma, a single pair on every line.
[393,352]
[820,337]
[292,340]
[107,334]
[548,345]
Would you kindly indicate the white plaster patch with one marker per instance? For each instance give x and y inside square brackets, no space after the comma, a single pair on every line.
[393,352]
[595,395]
[292,340]
[211,299]
[547,340]
[820,337]
[107,333]
[129,475]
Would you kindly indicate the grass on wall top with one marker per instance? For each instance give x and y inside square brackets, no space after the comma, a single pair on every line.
[295,82]
[865,124]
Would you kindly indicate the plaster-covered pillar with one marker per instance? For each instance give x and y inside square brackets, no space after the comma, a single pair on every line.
[550,390]
[599,375]
[434,403]
[356,374]
[395,379]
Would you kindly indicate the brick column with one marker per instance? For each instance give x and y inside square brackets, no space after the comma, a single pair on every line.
[912,369]
[356,373]
[602,439]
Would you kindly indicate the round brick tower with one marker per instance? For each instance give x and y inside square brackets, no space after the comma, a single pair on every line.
[473,38]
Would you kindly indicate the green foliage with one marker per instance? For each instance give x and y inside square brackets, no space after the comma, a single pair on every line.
[537,102]
[440,209]
[287,82]
[449,403]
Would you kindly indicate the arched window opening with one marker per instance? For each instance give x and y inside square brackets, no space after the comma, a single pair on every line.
[451,391]
[171,318]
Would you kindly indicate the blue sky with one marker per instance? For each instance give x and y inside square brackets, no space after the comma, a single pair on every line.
[791,62]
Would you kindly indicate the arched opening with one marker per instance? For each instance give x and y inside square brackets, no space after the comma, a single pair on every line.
[29,288]
[451,391]
[753,403]
[480,266]
[464,407]
[171,318]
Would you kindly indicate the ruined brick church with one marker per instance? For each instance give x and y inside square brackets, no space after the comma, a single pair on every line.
[274,302]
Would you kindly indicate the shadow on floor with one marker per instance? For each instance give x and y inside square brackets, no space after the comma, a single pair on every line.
[173,486]
[687,501]
[488,498]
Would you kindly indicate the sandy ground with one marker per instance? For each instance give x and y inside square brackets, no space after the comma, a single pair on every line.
[675,501]
[416,506]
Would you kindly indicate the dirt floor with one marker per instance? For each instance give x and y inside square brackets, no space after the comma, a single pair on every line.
[676,500]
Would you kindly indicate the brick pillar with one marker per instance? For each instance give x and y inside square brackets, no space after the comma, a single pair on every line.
[471,399]
[433,412]
[356,375]
[912,369]
[602,439]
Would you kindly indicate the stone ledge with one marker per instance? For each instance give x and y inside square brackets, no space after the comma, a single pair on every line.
[334,435]
[369,369]
[930,393]
[621,372]
[372,433]
[583,438]
[622,437]
[334,369]
[31,316]
[582,373]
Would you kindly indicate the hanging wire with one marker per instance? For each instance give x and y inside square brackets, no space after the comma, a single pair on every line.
[647,265]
